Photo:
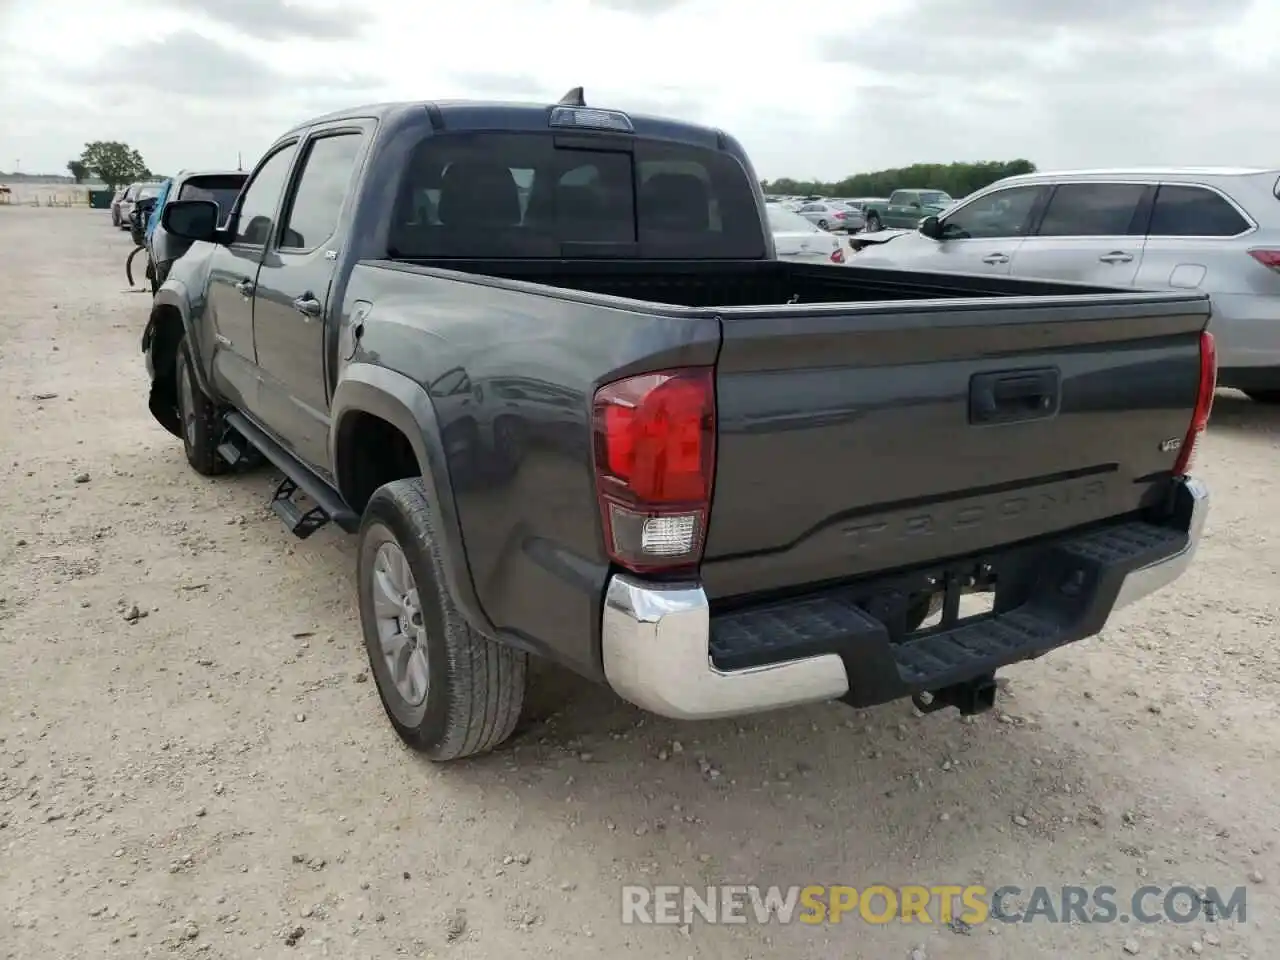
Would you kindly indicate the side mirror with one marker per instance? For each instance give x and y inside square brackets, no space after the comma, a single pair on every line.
[931,228]
[191,219]
[915,204]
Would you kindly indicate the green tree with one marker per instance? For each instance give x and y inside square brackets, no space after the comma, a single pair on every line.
[78,170]
[114,162]
[957,179]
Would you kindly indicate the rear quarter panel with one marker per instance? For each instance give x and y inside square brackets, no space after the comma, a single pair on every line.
[511,370]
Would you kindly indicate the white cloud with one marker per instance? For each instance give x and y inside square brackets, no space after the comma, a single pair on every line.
[813,88]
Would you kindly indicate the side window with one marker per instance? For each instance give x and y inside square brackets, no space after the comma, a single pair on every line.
[261,198]
[898,198]
[1182,211]
[1001,214]
[1092,210]
[313,211]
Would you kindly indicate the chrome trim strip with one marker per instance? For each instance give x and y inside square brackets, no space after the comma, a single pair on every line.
[655,642]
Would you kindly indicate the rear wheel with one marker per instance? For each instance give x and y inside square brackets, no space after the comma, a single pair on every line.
[449,691]
[822,224]
[873,223]
[199,418]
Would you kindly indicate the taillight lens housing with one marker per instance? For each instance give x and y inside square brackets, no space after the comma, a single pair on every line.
[1204,405]
[837,255]
[839,216]
[655,438]
[1268,258]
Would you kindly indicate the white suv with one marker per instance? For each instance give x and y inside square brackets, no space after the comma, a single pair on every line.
[1211,229]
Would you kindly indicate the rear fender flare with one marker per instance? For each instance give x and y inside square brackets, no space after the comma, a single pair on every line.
[403,403]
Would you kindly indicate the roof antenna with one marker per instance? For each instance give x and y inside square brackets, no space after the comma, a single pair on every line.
[574,98]
[239,161]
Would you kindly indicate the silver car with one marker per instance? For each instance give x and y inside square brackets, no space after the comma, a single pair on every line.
[832,215]
[795,238]
[141,190]
[1192,228]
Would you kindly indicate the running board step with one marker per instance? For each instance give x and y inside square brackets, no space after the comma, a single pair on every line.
[238,452]
[328,503]
[228,452]
[301,523]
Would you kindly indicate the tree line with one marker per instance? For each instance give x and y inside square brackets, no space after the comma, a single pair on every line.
[956,179]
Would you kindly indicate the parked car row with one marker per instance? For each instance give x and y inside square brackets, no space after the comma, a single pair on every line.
[903,208]
[123,202]
[1208,229]
[836,214]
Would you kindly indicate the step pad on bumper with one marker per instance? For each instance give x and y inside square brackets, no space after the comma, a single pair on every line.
[836,621]
[973,648]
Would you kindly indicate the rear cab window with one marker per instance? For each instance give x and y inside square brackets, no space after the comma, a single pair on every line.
[1094,210]
[1184,210]
[516,195]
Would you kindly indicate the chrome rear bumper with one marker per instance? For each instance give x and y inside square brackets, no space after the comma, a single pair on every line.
[655,641]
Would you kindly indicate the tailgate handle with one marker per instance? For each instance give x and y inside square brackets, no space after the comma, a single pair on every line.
[1013,396]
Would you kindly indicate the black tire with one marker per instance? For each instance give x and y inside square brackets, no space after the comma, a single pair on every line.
[822,224]
[1263,396]
[475,686]
[873,223]
[200,419]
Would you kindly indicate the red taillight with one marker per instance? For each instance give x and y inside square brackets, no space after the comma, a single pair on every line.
[837,255]
[1204,404]
[655,438]
[839,216]
[1268,258]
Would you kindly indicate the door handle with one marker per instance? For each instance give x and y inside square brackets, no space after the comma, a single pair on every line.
[1014,396]
[245,287]
[307,305]
[1116,256]
[995,258]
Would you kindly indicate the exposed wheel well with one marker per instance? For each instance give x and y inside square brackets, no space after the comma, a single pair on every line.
[371,452]
[166,335]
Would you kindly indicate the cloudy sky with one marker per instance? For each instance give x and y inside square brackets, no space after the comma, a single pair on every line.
[813,88]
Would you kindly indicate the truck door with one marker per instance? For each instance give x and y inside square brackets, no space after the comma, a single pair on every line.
[1090,233]
[292,305]
[233,273]
[899,212]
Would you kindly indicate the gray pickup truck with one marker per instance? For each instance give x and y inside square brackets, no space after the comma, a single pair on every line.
[541,360]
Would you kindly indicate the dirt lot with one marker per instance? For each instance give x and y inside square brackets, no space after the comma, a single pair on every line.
[192,761]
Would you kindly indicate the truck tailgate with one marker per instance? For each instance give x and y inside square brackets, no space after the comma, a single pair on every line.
[863,438]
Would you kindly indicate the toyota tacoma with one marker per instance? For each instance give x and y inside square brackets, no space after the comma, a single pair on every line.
[542,362]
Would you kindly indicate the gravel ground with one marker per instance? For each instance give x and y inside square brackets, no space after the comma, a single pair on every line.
[192,761]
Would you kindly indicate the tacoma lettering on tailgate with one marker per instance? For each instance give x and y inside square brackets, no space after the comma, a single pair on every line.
[966,515]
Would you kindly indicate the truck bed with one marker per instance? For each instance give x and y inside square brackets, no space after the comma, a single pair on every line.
[728,283]
[849,439]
